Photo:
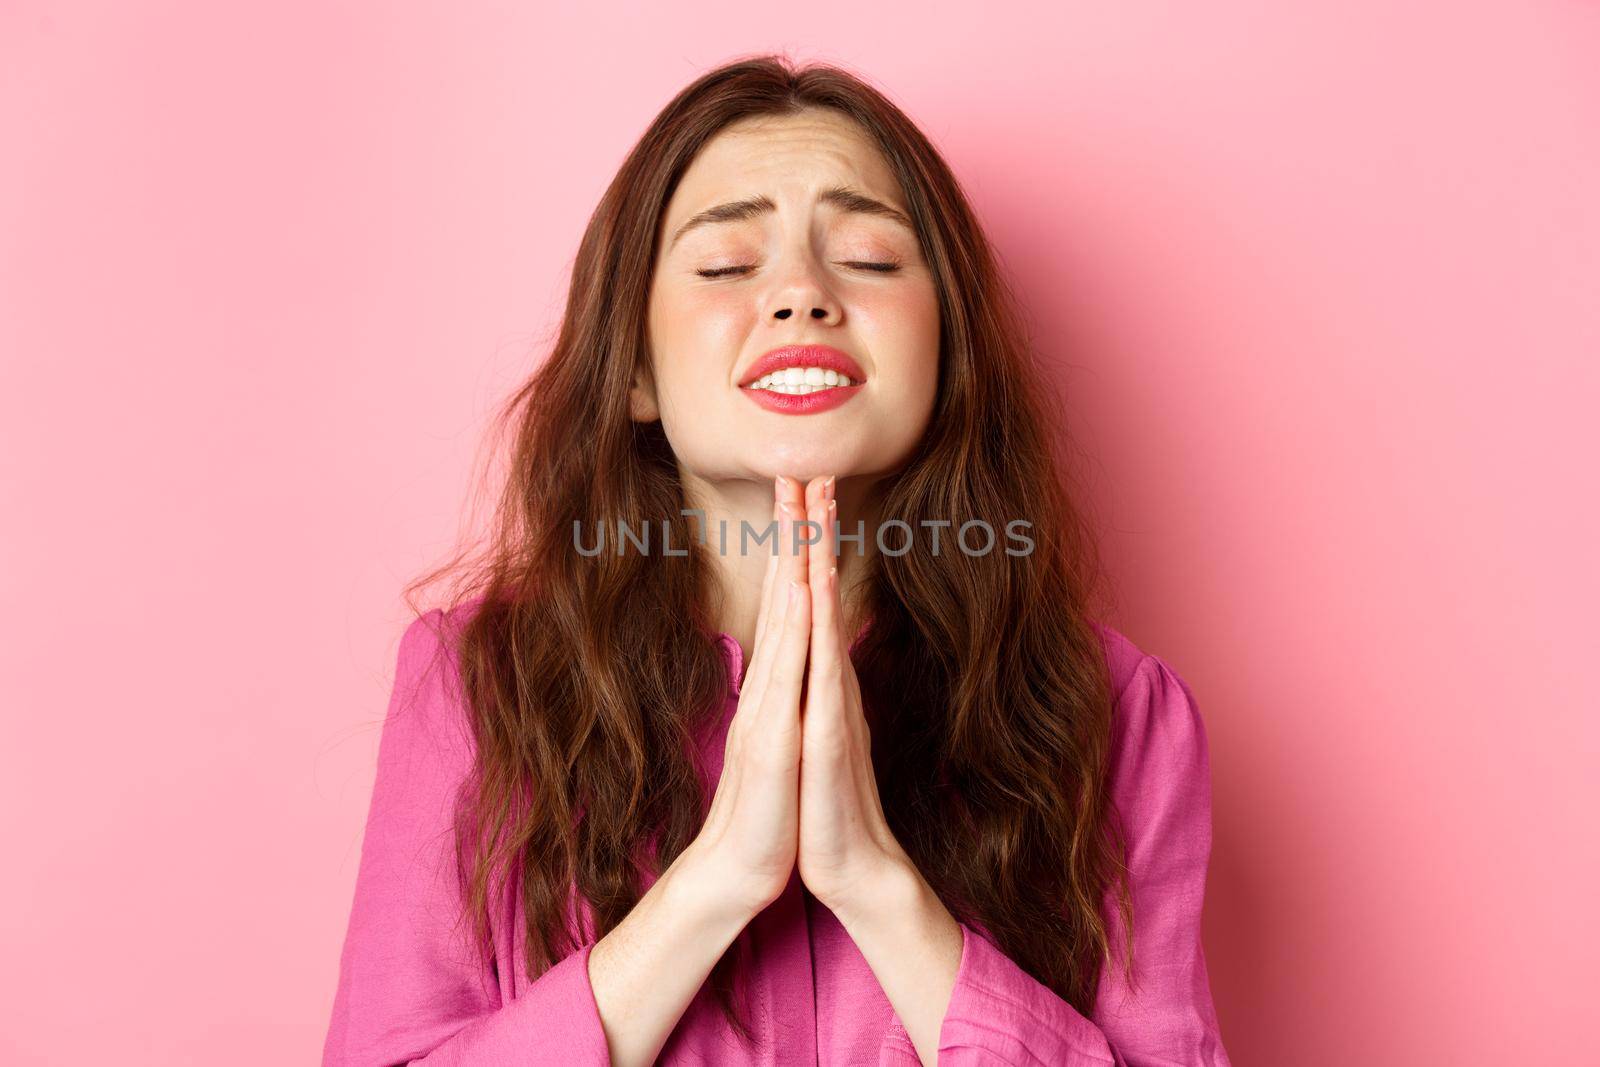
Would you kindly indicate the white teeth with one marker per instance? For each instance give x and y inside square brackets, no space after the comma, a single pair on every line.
[798,381]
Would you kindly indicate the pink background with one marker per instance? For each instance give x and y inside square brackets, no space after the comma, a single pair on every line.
[1326,277]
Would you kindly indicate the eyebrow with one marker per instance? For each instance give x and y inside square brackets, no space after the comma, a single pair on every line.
[841,196]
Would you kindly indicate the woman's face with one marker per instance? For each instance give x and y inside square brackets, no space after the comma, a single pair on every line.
[774,238]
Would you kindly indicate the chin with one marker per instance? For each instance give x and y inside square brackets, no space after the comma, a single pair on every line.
[807,459]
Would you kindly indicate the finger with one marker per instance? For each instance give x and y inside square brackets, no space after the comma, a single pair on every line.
[749,717]
[816,532]
[769,579]
[770,624]
[838,586]
[820,555]
[790,559]
[792,568]
[769,765]
[782,696]
[826,646]
[814,491]
[788,570]
[825,559]
[796,543]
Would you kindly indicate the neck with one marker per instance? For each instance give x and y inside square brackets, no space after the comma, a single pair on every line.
[740,568]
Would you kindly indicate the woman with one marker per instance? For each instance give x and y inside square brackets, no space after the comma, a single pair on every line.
[855,794]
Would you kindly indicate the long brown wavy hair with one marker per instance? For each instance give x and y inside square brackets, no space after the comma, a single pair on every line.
[987,679]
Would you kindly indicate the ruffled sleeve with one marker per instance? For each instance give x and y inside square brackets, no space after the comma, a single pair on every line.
[411,987]
[1000,1014]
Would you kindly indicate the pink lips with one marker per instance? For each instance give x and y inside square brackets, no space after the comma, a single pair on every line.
[824,356]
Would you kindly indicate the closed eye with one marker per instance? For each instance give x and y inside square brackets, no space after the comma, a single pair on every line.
[881,268]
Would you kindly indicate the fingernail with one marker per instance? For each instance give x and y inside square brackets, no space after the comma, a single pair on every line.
[828,487]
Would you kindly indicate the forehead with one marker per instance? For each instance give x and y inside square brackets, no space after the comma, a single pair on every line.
[783,156]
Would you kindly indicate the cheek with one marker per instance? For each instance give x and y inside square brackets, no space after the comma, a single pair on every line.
[696,338]
[901,329]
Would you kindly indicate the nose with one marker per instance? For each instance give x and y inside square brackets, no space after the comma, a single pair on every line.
[818,312]
[803,292]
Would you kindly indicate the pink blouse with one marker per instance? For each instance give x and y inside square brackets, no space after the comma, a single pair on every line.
[411,989]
